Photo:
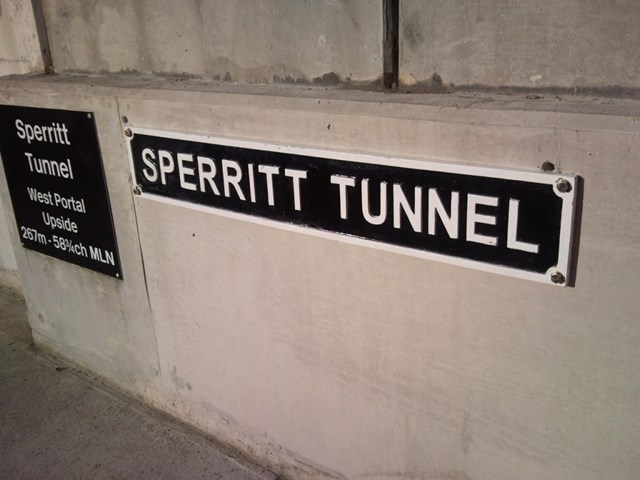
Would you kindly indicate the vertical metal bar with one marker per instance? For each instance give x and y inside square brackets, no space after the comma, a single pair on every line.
[390,43]
[43,38]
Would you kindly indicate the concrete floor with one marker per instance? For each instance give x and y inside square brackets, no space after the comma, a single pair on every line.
[59,423]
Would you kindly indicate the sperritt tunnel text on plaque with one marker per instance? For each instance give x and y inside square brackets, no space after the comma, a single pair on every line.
[56,181]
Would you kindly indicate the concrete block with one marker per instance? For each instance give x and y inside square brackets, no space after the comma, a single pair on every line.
[565,43]
[95,321]
[329,360]
[9,276]
[351,350]
[19,44]
[256,42]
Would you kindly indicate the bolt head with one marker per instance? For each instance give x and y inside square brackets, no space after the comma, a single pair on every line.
[563,185]
[557,278]
[128,132]
[137,190]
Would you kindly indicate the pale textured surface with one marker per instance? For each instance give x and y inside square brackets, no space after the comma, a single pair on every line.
[19,53]
[8,265]
[58,423]
[397,366]
[246,41]
[566,43]
[330,360]
[19,45]
[104,337]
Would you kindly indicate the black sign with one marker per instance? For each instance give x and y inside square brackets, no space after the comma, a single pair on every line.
[56,181]
[512,220]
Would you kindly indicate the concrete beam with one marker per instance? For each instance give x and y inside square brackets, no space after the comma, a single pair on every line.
[329,360]
[565,43]
[274,41]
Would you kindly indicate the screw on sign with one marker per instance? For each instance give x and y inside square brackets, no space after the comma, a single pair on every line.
[563,185]
[557,277]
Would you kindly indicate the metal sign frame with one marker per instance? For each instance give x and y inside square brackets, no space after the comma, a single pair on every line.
[563,185]
[57,184]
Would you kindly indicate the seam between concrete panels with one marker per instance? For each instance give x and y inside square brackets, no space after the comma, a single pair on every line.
[390,43]
[43,38]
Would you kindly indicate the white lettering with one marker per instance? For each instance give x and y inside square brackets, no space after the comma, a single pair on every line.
[450,222]
[296,175]
[151,174]
[473,217]
[69,203]
[183,171]
[400,200]
[20,129]
[228,179]
[62,223]
[207,175]
[269,171]
[40,197]
[102,256]
[252,184]
[55,133]
[512,230]
[366,205]
[167,165]
[344,182]
[50,167]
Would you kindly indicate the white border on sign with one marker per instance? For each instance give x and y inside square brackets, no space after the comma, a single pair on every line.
[566,222]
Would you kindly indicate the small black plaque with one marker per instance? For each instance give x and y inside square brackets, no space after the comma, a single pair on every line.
[512,222]
[56,180]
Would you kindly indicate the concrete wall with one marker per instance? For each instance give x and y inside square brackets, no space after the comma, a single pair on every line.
[329,360]
[564,43]
[19,44]
[19,53]
[255,42]
[9,276]
[113,336]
